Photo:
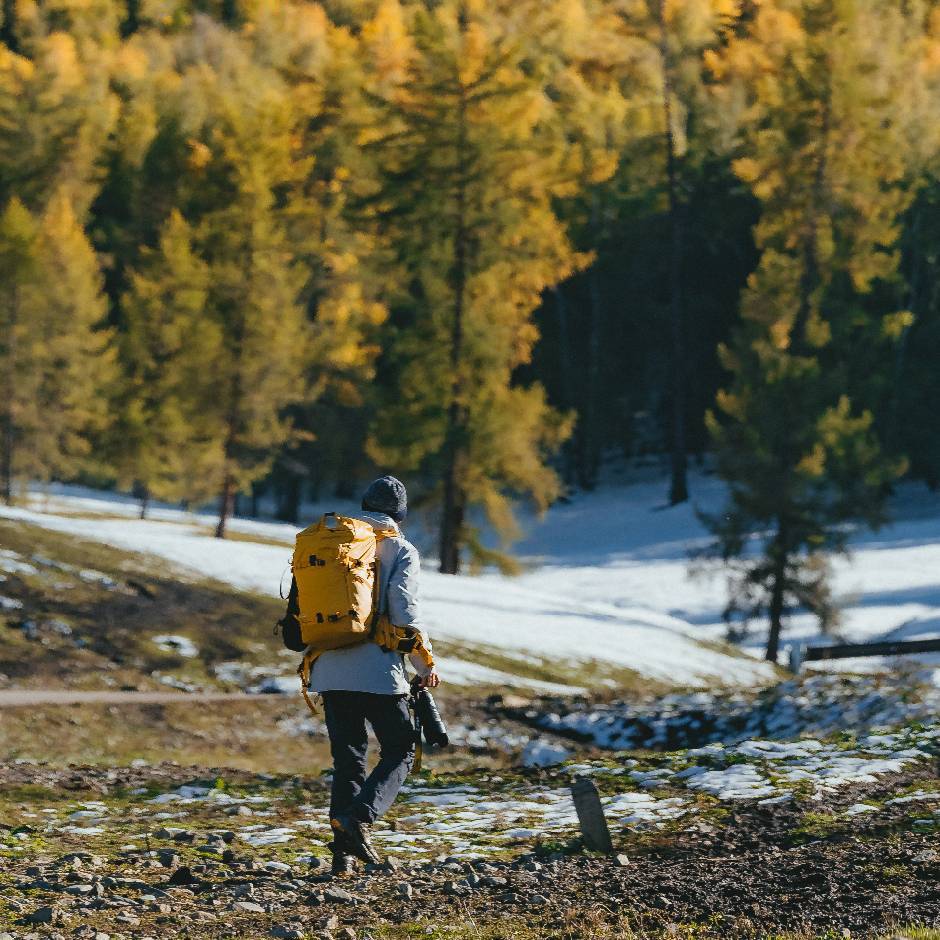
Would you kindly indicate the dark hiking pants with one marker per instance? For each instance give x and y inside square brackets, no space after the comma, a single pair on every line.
[346,713]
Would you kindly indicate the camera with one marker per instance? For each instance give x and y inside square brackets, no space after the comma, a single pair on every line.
[427,718]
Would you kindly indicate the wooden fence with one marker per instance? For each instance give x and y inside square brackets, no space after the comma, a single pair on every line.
[800,653]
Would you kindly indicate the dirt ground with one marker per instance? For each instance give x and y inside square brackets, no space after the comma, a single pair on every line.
[751,872]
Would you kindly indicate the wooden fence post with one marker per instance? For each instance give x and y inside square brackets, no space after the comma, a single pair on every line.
[587,804]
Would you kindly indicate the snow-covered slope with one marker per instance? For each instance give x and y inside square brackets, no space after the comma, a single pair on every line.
[607,578]
[554,615]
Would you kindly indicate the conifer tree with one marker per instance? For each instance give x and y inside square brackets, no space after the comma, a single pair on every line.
[57,360]
[168,445]
[469,140]
[822,149]
[56,106]
[241,122]
[79,363]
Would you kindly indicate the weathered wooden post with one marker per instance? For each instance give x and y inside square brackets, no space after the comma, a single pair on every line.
[797,655]
[587,804]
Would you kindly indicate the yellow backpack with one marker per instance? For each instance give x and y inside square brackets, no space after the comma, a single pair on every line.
[335,565]
[336,569]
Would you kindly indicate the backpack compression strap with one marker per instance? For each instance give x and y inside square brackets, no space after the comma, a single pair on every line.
[303,670]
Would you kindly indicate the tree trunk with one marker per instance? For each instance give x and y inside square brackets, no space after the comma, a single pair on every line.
[678,486]
[144,502]
[589,457]
[226,505]
[776,618]
[777,590]
[454,501]
[564,366]
[288,506]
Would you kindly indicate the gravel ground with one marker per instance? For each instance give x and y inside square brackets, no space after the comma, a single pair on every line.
[149,856]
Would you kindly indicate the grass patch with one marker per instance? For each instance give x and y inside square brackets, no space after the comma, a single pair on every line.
[95,608]
[594,675]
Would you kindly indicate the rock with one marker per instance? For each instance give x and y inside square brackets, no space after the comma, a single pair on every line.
[244,891]
[339,896]
[43,915]
[538,899]
[328,923]
[249,906]
[182,876]
[130,919]
[287,933]
[405,890]
[240,810]
[451,887]
[494,881]
[622,859]
[392,864]
[347,933]
[168,858]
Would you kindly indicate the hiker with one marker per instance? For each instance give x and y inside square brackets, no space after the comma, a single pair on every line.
[367,683]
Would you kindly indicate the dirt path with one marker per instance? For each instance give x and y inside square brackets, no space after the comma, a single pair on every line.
[12,698]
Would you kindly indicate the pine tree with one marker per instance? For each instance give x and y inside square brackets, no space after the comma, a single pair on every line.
[57,361]
[56,106]
[166,443]
[822,148]
[79,363]
[473,151]
[241,123]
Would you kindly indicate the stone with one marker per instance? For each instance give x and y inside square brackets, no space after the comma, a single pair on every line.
[287,933]
[328,923]
[43,915]
[168,858]
[622,859]
[240,810]
[339,896]
[347,933]
[451,887]
[249,906]
[494,881]
[405,890]
[182,876]
[127,918]
[244,891]
[392,864]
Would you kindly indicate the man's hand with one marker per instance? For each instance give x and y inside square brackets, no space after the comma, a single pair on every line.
[431,681]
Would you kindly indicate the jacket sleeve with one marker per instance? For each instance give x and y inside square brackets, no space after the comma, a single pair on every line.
[403,600]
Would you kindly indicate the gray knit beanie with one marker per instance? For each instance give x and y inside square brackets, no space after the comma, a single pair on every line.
[388,495]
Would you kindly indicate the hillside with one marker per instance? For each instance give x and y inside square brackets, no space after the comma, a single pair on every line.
[558,628]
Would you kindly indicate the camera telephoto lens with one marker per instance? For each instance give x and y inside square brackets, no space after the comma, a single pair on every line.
[435,731]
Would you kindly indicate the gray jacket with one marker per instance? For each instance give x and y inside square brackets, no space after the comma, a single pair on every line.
[367,667]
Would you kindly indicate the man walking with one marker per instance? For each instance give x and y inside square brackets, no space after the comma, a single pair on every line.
[366,683]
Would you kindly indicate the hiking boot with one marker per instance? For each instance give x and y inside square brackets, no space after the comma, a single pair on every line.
[357,838]
[344,862]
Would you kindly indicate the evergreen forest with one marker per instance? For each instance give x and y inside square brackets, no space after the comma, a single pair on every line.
[266,248]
